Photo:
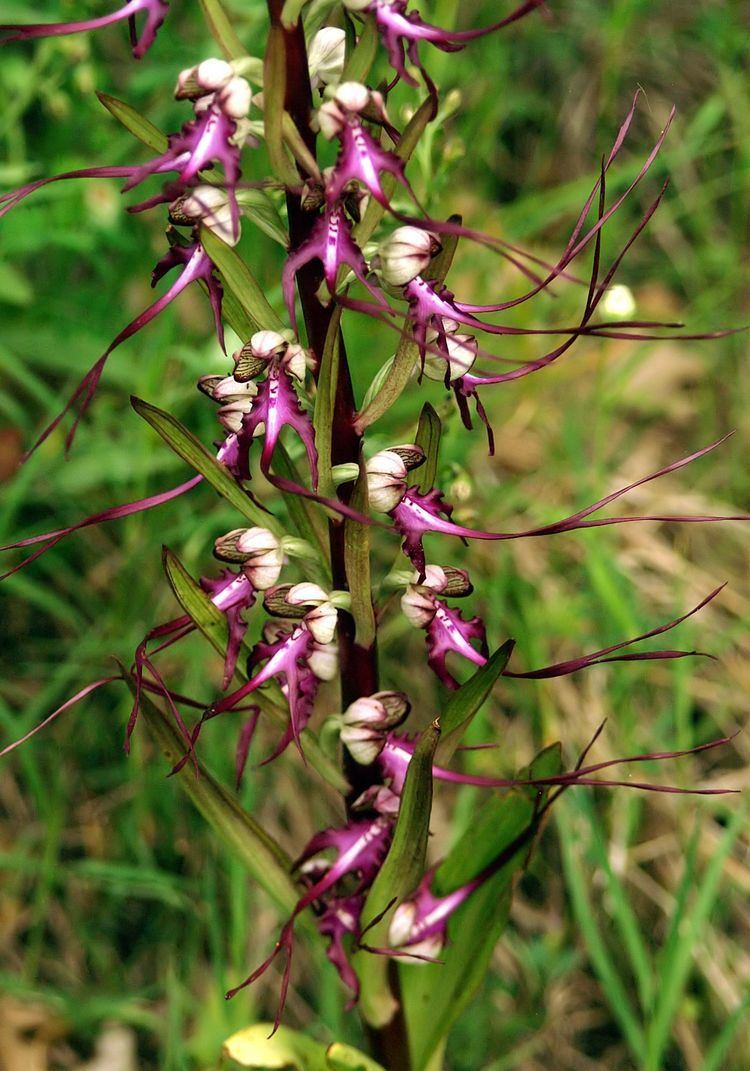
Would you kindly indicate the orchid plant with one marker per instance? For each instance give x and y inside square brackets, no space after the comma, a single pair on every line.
[410,938]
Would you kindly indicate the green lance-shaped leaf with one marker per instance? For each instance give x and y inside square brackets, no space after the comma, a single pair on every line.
[260,210]
[212,623]
[305,515]
[503,832]
[237,277]
[138,125]
[407,144]
[400,874]
[401,368]
[429,430]
[325,401]
[464,703]
[299,149]
[190,449]
[248,841]
[362,57]
[222,31]
[357,564]
[274,90]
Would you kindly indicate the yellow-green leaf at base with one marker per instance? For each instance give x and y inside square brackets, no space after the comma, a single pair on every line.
[257,1047]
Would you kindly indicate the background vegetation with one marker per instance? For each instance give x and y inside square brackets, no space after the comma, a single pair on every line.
[629,939]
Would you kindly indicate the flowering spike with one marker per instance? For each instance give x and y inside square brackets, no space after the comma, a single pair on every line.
[155,11]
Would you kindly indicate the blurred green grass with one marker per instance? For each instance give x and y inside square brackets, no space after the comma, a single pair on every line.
[116,903]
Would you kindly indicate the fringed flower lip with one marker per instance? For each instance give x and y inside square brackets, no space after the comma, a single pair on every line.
[155,12]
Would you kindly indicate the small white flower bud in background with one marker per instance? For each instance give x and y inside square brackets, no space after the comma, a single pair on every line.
[406,254]
[352,96]
[326,55]
[295,361]
[386,480]
[264,557]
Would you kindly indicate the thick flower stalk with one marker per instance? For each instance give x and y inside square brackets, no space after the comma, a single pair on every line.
[301,600]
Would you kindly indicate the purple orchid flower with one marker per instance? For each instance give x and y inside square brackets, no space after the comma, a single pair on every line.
[332,244]
[196,265]
[360,158]
[360,849]
[414,513]
[287,656]
[276,404]
[401,31]
[155,12]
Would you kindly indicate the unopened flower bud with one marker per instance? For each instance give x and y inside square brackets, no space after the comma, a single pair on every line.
[323,660]
[362,742]
[386,480]
[382,710]
[267,344]
[235,98]
[321,622]
[306,594]
[295,361]
[352,96]
[406,254]
[445,580]
[462,353]
[209,205]
[418,605]
[213,74]
[326,55]
[230,389]
[412,455]
[225,547]
[263,557]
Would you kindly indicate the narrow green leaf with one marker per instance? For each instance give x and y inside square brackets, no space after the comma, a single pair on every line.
[212,623]
[357,564]
[222,31]
[615,988]
[248,841]
[305,515]
[261,211]
[325,400]
[435,997]
[238,278]
[274,91]
[260,1046]
[190,449]
[137,124]
[360,61]
[464,703]
[429,430]
[299,149]
[409,140]
[399,875]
